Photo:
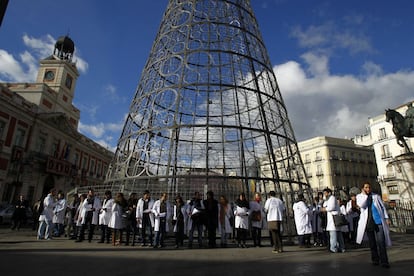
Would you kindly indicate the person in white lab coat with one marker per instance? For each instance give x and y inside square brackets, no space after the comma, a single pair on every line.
[275,209]
[162,214]
[104,216]
[145,217]
[241,222]
[59,215]
[302,214]
[374,222]
[116,222]
[331,207]
[91,206]
[46,216]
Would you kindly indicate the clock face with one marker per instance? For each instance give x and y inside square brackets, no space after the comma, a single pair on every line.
[49,75]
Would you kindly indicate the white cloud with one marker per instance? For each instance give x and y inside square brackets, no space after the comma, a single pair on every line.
[322,103]
[24,67]
[329,36]
[111,93]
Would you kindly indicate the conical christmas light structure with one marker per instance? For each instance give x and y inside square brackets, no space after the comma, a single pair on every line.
[207,113]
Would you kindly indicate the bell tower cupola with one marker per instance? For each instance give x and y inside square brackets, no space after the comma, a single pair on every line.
[64,48]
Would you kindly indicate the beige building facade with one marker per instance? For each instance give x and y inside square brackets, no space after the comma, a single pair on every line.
[337,163]
[40,146]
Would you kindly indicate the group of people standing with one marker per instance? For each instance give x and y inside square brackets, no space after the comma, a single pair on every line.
[147,221]
[363,215]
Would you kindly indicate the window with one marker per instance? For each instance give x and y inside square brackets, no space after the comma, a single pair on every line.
[343,155]
[19,138]
[40,144]
[307,158]
[319,170]
[2,127]
[55,148]
[385,152]
[318,156]
[382,134]
[92,166]
[76,159]
[84,163]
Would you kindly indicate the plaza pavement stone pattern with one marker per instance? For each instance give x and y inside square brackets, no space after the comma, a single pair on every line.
[22,254]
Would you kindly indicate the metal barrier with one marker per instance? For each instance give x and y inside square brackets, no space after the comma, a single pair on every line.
[401,215]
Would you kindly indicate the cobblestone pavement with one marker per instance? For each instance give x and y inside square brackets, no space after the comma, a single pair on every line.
[22,254]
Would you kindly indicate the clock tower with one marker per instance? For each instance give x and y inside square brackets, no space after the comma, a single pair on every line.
[59,73]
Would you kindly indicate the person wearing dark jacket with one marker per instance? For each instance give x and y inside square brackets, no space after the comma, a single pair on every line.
[19,214]
[211,207]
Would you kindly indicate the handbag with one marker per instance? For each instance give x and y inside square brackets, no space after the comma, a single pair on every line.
[340,220]
[256,216]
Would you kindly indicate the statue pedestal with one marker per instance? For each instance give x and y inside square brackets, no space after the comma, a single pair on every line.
[404,178]
[404,173]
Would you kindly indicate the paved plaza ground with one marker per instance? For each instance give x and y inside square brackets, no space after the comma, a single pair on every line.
[22,254]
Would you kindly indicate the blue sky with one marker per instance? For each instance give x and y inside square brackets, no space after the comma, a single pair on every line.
[337,62]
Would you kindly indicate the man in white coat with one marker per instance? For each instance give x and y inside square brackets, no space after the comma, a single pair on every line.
[331,207]
[162,213]
[91,206]
[275,208]
[46,216]
[303,221]
[374,221]
[145,217]
[104,216]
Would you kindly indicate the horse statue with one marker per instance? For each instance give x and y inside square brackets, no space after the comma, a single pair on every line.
[401,126]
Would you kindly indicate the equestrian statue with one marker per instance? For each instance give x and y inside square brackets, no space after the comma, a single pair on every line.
[401,126]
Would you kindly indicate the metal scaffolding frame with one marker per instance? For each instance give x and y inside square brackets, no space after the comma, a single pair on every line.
[208,113]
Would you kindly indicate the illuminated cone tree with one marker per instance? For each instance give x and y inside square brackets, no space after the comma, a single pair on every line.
[207,113]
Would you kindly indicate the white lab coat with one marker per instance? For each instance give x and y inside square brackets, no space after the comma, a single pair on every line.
[106,211]
[241,215]
[116,221]
[363,218]
[274,207]
[79,215]
[192,210]
[302,216]
[350,215]
[158,215]
[332,208]
[140,211]
[48,206]
[59,211]
[96,206]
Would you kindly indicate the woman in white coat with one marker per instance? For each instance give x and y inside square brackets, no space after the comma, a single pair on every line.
[59,215]
[302,214]
[226,220]
[162,214]
[116,223]
[241,222]
[104,217]
[374,221]
[331,207]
